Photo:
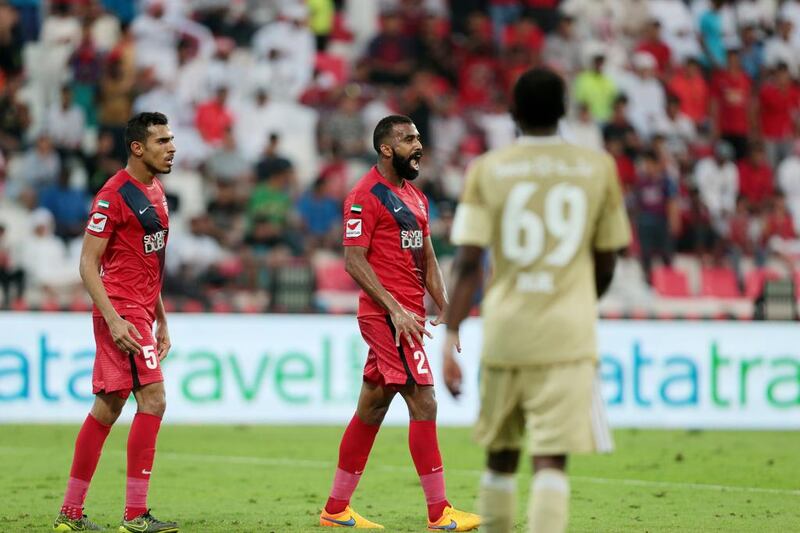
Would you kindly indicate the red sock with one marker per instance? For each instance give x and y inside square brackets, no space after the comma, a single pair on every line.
[88,447]
[353,454]
[424,446]
[141,451]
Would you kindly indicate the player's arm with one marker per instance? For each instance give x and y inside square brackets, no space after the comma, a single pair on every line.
[405,322]
[122,331]
[467,273]
[434,280]
[162,332]
[604,265]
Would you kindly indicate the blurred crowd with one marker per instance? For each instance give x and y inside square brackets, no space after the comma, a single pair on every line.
[273,103]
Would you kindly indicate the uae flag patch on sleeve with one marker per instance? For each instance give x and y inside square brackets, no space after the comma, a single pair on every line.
[102,203]
[355,208]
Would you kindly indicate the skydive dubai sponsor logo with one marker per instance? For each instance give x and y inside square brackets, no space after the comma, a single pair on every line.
[155,241]
[411,238]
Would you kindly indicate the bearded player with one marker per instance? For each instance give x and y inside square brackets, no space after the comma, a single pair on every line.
[388,252]
[121,265]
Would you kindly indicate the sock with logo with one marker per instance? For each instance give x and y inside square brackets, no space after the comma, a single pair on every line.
[424,446]
[497,502]
[88,447]
[354,451]
[141,452]
[548,506]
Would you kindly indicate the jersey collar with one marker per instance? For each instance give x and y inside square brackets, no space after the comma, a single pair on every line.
[544,139]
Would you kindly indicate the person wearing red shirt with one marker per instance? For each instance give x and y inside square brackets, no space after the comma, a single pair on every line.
[653,44]
[524,33]
[690,86]
[213,118]
[731,104]
[122,265]
[755,177]
[388,252]
[779,221]
[779,102]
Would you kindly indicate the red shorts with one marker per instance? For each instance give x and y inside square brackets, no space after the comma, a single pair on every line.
[121,372]
[388,364]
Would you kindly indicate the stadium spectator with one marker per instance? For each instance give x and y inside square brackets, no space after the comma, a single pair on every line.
[103,26]
[156,38]
[115,97]
[691,88]
[653,44]
[391,56]
[677,27]
[779,105]
[712,38]
[717,179]
[790,10]
[780,236]
[195,258]
[213,117]
[226,211]
[15,116]
[289,47]
[68,205]
[582,130]
[619,127]
[789,181]
[11,40]
[745,237]
[271,162]
[321,216]
[321,16]
[731,104]
[86,67]
[646,97]
[562,49]
[595,89]
[45,260]
[269,209]
[345,127]
[39,167]
[65,124]
[228,163]
[12,277]
[677,128]
[655,203]
[697,235]
[780,48]
[755,177]
[103,163]
[752,51]
[435,48]
[503,13]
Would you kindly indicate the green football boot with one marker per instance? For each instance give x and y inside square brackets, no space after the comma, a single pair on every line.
[65,523]
[147,523]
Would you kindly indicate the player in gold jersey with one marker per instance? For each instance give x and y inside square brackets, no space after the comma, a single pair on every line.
[553,218]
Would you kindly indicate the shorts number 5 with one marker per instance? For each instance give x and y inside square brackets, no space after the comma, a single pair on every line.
[150,357]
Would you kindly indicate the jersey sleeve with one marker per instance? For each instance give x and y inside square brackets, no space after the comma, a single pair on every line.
[472,223]
[613,231]
[360,216]
[105,214]
[426,228]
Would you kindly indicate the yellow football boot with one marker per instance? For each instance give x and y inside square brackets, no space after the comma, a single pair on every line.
[455,520]
[347,518]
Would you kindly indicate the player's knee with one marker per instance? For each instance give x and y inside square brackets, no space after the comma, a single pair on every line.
[153,404]
[374,416]
[424,408]
[503,461]
[556,462]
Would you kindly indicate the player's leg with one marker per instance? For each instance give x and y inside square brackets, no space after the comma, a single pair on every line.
[88,448]
[354,449]
[497,496]
[151,401]
[500,429]
[424,446]
[548,507]
[564,415]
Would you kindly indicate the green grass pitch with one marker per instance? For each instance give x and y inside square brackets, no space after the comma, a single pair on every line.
[274,479]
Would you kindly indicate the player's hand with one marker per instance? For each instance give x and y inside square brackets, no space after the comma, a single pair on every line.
[450,367]
[162,340]
[125,334]
[410,326]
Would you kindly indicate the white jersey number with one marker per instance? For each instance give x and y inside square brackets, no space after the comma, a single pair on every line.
[523,235]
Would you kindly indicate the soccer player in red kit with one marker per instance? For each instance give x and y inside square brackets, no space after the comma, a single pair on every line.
[388,252]
[122,261]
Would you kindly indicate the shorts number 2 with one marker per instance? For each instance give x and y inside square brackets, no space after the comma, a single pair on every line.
[419,357]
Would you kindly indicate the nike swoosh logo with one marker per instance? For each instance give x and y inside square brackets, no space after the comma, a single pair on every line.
[348,523]
[437,468]
[358,473]
[136,527]
[449,527]
[398,209]
[141,211]
[146,472]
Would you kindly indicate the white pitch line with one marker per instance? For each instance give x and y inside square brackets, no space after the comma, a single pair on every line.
[306,463]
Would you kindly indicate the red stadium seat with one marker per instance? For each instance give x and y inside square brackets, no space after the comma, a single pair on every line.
[670,282]
[755,279]
[719,283]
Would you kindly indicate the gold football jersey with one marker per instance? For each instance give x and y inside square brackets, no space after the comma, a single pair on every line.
[542,206]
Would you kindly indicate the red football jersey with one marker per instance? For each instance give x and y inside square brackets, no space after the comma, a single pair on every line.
[134,219]
[391,223]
